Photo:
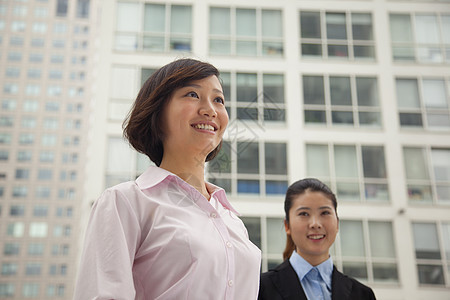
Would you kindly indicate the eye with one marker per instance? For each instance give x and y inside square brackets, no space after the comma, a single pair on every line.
[303,214]
[219,100]
[326,212]
[192,95]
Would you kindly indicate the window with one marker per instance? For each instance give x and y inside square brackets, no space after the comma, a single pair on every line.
[30,290]
[16,41]
[423,102]
[33,269]
[123,163]
[37,42]
[356,173]
[36,57]
[4,155]
[254,97]
[341,100]
[10,88]
[56,290]
[5,138]
[39,27]
[9,269]
[17,210]
[38,229]
[45,174]
[20,191]
[336,35]
[246,32]
[267,177]
[268,234]
[6,121]
[11,249]
[18,26]
[366,250]
[61,8]
[43,192]
[83,8]
[26,138]
[40,211]
[164,27]
[36,249]
[33,90]
[22,174]
[34,73]
[432,247]
[41,12]
[427,174]
[48,140]
[423,38]
[7,289]
[30,105]
[15,229]
[9,104]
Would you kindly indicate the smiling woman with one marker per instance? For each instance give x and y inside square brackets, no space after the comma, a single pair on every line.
[162,235]
[311,224]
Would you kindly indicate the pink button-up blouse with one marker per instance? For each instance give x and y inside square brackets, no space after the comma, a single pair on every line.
[159,238]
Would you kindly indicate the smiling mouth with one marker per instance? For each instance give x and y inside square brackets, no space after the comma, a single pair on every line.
[204,127]
[316,236]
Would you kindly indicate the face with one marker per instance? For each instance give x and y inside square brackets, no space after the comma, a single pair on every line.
[313,226]
[195,118]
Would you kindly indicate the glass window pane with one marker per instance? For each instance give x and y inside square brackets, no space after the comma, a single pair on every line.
[401,28]
[310,24]
[226,85]
[385,272]
[246,48]
[222,162]
[415,163]
[441,164]
[370,119]
[352,238]
[276,162]
[276,236]
[356,270]
[430,274]
[274,114]
[246,22]
[253,225]
[426,242]
[246,87]
[346,191]
[123,82]
[248,158]
[311,49]
[443,193]
[445,21]
[362,26]
[381,239]
[272,23]
[367,91]
[317,163]
[247,113]
[411,119]
[313,90]
[181,19]
[340,93]
[336,28]
[219,20]
[276,187]
[154,18]
[337,51]
[434,94]
[119,156]
[427,30]
[342,117]
[128,17]
[446,240]
[438,120]
[345,161]
[373,162]
[315,116]
[363,51]
[248,186]
[273,85]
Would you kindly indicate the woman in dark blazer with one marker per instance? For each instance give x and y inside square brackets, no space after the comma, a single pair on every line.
[308,273]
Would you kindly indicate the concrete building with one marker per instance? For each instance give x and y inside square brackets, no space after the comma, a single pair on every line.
[47,50]
[356,93]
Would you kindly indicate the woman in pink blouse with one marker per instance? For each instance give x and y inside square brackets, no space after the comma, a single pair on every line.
[170,234]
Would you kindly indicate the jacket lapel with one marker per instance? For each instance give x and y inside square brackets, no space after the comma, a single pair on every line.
[286,281]
[341,286]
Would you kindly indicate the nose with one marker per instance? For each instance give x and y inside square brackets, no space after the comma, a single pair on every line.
[315,223]
[207,109]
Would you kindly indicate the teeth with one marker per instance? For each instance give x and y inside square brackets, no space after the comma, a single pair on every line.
[204,126]
[316,237]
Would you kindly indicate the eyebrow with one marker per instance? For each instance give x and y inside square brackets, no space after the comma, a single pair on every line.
[199,87]
[308,208]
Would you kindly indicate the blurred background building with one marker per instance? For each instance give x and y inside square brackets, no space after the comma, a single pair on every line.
[355,93]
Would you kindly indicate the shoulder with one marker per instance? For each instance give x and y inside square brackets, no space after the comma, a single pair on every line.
[347,284]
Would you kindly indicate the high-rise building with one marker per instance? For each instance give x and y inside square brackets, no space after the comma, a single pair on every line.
[353,92]
[47,53]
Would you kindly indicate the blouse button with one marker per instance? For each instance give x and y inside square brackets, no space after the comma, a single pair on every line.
[213,215]
[228,244]
[230,282]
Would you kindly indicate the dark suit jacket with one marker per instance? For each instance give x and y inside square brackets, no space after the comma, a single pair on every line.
[282,283]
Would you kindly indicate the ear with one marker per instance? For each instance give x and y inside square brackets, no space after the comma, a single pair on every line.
[286,227]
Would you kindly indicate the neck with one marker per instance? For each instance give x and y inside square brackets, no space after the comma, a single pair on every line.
[190,170]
